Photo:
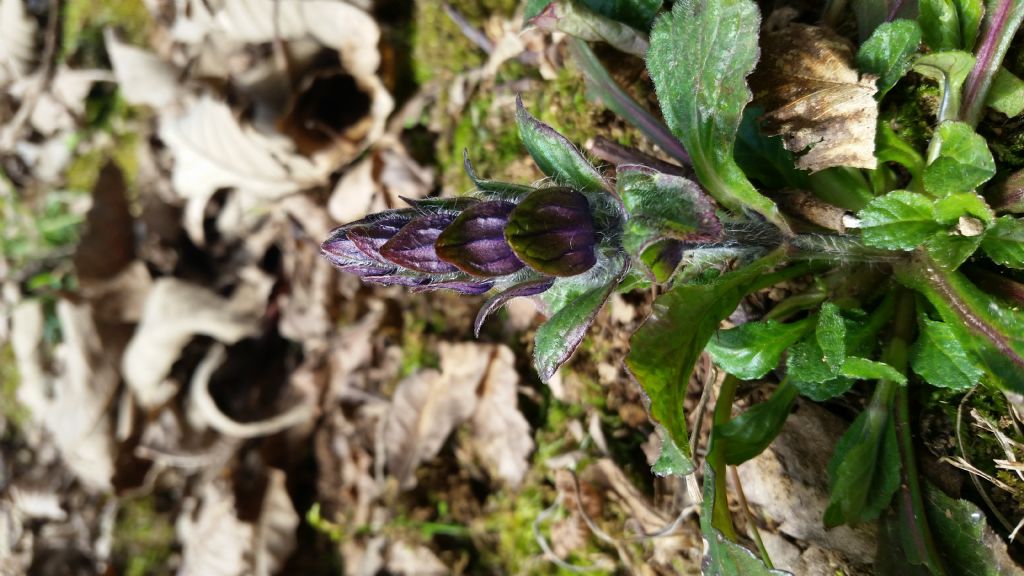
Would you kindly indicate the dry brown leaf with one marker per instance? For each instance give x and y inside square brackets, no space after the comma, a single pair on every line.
[786,485]
[501,435]
[378,182]
[203,409]
[428,405]
[108,239]
[18,51]
[142,77]
[815,98]
[406,559]
[213,150]
[217,543]
[174,313]
[73,404]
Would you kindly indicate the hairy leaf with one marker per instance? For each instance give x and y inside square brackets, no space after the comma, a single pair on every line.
[665,349]
[888,52]
[555,155]
[748,434]
[559,337]
[753,349]
[864,472]
[949,69]
[1007,93]
[1004,243]
[700,56]
[900,220]
[941,360]
[964,161]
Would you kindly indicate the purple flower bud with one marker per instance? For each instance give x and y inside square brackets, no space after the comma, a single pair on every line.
[552,231]
[342,251]
[475,241]
[413,246]
[371,236]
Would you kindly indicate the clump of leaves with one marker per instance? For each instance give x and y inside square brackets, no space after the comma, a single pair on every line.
[915,250]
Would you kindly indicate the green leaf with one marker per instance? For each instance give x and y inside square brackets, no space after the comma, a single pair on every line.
[763,158]
[900,220]
[864,472]
[574,18]
[664,350]
[950,209]
[1007,93]
[636,13]
[493,189]
[753,349]
[938,357]
[870,15]
[888,52]
[559,337]
[662,205]
[890,147]
[949,250]
[700,56]
[662,258]
[864,369]
[950,24]
[1004,242]
[814,363]
[991,331]
[949,69]
[672,461]
[555,155]
[748,434]
[966,544]
[964,161]
[724,557]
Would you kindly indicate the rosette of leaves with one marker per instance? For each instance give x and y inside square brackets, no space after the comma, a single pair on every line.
[561,241]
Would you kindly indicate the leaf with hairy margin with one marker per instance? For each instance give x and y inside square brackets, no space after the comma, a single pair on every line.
[700,56]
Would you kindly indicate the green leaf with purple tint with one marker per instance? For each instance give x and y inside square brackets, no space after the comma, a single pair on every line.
[699,60]
[523,289]
[413,246]
[665,349]
[559,337]
[552,231]
[556,156]
[492,188]
[992,331]
[475,241]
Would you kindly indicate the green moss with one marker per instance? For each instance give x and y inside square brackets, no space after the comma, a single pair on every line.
[440,49]
[143,538]
[85,20]
[911,109]
[12,411]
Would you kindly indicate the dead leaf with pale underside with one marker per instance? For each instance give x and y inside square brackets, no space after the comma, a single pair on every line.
[815,99]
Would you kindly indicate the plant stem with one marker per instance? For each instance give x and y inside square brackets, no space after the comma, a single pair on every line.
[1001,24]
[721,518]
[919,544]
[617,100]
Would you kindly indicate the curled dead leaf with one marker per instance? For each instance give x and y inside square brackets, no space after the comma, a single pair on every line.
[815,99]
[18,51]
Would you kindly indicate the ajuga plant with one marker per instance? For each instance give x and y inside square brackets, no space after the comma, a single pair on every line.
[800,164]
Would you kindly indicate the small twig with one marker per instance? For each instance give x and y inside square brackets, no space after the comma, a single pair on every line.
[471,33]
[963,456]
[28,103]
[749,517]
[549,554]
[617,154]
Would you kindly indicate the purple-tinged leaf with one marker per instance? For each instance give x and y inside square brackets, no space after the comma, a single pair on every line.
[342,252]
[552,231]
[1003,19]
[452,206]
[1008,195]
[529,288]
[475,241]
[559,337]
[467,287]
[581,22]
[993,331]
[556,156]
[369,237]
[601,84]
[493,188]
[398,279]
[413,246]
